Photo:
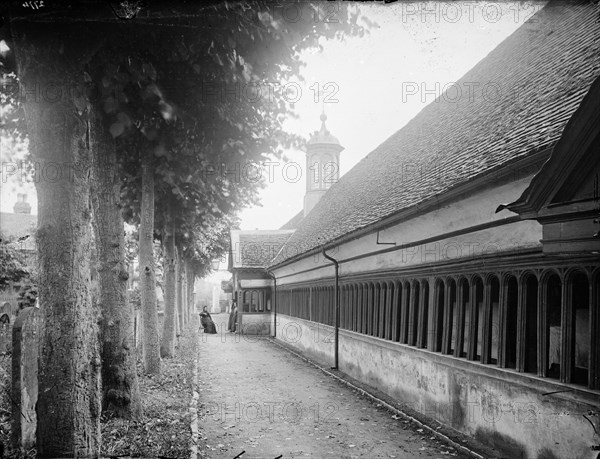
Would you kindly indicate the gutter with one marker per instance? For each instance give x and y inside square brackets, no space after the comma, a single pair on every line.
[337,309]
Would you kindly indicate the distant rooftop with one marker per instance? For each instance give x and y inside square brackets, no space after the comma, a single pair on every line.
[256,249]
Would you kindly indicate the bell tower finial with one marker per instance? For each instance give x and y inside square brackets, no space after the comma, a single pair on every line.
[322,164]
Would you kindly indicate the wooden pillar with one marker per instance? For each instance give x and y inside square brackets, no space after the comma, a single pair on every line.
[566,330]
[594,362]
[542,355]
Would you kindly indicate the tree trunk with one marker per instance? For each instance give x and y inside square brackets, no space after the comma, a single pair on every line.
[151,341]
[167,346]
[120,390]
[189,273]
[180,312]
[68,406]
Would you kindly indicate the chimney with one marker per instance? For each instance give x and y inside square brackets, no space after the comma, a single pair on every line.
[22,206]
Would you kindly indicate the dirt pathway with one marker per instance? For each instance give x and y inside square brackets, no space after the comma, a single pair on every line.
[258,398]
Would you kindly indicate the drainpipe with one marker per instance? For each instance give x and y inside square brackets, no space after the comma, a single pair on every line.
[274,303]
[337,308]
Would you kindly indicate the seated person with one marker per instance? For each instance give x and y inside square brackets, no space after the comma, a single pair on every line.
[206,321]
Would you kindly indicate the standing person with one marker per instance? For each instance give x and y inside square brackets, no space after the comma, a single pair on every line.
[206,321]
[232,317]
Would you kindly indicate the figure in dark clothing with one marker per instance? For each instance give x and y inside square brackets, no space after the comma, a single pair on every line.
[232,318]
[207,323]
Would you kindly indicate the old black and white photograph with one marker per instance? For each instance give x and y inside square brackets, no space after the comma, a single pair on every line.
[279,229]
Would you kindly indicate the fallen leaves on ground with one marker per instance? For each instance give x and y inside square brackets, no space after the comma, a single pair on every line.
[164,430]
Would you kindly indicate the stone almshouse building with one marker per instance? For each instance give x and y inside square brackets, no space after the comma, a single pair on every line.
[468,251]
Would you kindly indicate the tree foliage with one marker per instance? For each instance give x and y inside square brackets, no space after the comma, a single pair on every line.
[12,264]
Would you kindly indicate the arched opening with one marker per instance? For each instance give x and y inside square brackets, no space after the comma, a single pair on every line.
[464,319]
[389,310]
[352,307]
[358,308]
[552,293]
[494,331]
[579,296]
[478,317]
[405,308]
[345,307]
[370,307]
[326,316]
[424,317]
[382,309]
[397,311]
[530,284]
[413,320]
[512,302]
[440,288]
[452,326]
[376,310]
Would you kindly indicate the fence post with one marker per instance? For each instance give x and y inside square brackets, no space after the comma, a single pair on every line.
[25,337]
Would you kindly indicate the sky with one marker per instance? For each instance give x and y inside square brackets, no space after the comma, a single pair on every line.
[370,88]
[376,84]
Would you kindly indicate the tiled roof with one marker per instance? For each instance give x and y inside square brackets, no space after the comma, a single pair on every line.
[515,102]
[256,249]
[293,222]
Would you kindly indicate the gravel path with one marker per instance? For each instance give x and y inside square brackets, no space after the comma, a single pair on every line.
[257,398]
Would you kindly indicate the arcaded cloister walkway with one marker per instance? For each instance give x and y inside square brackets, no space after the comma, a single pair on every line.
[257,398]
